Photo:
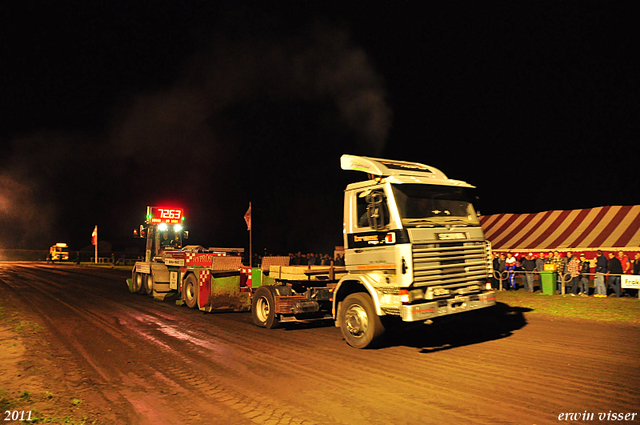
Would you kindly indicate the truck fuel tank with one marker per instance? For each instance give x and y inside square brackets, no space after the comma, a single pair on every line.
[306,306]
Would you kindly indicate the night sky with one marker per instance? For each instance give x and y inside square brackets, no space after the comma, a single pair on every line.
[107,107]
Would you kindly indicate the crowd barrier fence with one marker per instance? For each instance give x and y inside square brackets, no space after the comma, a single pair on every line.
[564,278]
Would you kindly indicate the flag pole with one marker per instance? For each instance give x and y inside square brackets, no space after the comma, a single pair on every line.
[247,219]
[250,239]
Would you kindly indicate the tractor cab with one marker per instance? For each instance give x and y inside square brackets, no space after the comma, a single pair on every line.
[163,230]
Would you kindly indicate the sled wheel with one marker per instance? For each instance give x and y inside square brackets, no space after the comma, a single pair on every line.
[136,284]
[147,286]
[190,293]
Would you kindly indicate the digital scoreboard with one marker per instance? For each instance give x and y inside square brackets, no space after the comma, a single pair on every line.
[157,215]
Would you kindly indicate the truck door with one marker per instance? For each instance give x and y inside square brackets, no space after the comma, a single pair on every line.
[370,238]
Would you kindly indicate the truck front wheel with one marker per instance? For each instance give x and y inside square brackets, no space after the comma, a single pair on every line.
[359,323]
[263,308]
[189,295]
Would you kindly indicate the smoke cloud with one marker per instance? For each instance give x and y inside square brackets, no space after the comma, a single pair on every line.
[321,65]
[237,99]
[24,220]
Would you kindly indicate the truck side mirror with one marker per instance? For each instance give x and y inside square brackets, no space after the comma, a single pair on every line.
[185,234]
[376,212]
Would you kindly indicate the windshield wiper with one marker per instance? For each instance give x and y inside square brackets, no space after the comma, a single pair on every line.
[459,221]
[424,222]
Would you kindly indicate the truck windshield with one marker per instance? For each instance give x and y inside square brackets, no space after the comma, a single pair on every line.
[423,205]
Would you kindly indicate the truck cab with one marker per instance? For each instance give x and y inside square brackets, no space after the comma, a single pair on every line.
[414,248]
[414,251]
[59,251]
[163,230]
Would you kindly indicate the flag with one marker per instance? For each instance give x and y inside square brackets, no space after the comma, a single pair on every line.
[94,236]
[247,217]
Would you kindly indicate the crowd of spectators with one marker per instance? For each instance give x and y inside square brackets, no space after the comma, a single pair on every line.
[312,259]
[574,271]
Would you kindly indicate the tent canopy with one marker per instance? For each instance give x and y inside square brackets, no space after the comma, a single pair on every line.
[608,228]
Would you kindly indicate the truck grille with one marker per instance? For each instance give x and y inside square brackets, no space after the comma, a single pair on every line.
[451,264]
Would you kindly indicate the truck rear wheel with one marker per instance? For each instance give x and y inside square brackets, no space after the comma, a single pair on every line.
[263,309]
[359,323]
[190,294]
[136,284]
[147,286]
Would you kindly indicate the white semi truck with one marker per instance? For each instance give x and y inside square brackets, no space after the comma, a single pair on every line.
[414,251]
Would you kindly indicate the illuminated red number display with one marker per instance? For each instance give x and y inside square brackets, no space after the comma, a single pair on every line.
[166,215]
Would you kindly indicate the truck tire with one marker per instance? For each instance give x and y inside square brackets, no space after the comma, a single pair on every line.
[136,284]
[147,284]
[190,291]
[263,308]
[359,323]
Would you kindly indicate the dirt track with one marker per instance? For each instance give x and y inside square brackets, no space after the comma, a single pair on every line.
[137,361]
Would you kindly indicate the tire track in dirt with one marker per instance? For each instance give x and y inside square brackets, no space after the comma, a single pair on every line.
[260,412]
[132,407]
[509,380]
[299,352]
[500,368]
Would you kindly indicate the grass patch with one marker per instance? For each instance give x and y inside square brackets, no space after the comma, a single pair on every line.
[6,402]
[599,309]
[9,402]
[25,325]
[22,400]
[67,420]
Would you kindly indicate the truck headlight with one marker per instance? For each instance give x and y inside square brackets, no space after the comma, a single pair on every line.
[407,296]
[404,295]
[177,228]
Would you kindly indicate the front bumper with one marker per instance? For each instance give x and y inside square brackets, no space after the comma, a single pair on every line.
[459,304]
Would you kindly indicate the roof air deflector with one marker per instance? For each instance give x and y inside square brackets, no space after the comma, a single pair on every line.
[388,167]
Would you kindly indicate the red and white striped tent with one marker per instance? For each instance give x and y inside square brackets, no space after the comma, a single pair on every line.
[611,228]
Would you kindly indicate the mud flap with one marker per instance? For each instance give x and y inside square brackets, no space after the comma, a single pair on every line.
[204,289]
[222,292]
